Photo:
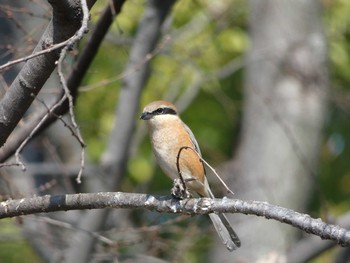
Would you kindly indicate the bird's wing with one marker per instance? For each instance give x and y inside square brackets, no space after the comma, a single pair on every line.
[193,139]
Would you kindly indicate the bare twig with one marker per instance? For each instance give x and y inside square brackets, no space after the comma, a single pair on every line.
[178,168]
[36,54]
[131,70]
[68,43]
[16,101]
[206,163]
[31,134]
[69,226]
[73,40]
[73,82]
[65,123]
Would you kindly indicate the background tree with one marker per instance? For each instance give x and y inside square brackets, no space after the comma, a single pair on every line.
[286,88]
[268,105]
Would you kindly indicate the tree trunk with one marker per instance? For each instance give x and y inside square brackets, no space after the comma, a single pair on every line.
[286,88]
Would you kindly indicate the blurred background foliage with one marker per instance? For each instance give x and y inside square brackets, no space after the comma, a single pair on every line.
[334,171]
[13,248]
[200,61]
[200,41]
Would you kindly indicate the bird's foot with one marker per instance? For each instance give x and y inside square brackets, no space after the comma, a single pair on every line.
[179,190]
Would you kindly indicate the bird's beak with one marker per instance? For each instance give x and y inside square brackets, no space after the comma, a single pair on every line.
[145,116]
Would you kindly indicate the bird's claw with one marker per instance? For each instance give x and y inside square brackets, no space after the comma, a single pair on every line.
[179,190]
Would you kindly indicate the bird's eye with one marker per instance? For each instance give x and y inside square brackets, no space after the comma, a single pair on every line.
[160,111]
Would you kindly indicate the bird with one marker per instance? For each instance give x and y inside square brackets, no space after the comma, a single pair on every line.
[170,135]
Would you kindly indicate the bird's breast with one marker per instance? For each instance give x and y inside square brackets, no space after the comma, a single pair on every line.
[165,147]
[167,150]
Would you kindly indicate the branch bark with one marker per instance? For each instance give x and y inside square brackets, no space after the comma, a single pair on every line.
[311,247]
[73,82]
[66,20]
[166,204]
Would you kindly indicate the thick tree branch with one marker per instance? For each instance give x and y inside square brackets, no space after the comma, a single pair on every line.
[166,204]
[66,20]
[73,81]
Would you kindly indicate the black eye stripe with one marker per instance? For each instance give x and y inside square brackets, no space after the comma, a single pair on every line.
[164,110]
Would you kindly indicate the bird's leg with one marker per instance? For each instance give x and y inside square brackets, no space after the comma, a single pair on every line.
[179,190]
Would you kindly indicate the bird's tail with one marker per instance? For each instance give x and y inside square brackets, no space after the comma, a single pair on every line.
[225,231]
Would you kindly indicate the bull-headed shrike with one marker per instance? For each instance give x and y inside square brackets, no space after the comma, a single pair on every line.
[169,136]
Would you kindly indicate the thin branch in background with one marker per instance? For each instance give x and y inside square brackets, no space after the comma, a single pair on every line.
[7,10]
[36,54]
[14,191]
[69,226]
[79,35]
[202,160]
[149,228]
[45,186]
[9,14]
[132,70]
[52,151]
[296,145]
[112,8]
[73,82]
[30,136]
[9,164]
[291,137]
[135,76]
[3,83]
[59,117]
[201,78]
[65,23]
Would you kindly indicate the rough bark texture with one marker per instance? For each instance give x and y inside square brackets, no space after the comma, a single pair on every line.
[66,20]
[193,206]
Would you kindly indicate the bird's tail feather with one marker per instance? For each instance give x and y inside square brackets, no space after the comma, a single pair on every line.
[225,231]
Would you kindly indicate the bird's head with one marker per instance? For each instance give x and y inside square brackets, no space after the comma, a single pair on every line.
[158,112]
